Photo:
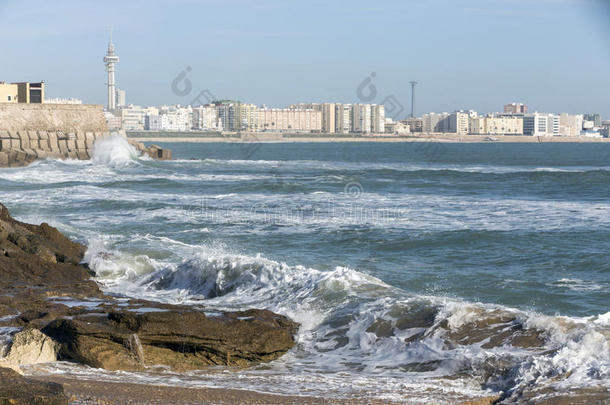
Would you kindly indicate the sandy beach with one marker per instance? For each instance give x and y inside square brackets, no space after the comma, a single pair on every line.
[291,138]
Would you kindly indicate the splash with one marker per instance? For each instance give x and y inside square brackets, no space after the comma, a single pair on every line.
[114,151]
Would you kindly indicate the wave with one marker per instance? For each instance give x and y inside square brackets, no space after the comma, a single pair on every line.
[356,324]
[114,151]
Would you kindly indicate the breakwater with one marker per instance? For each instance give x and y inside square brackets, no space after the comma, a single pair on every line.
[63,131]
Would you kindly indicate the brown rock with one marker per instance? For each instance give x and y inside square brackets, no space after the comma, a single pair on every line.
[183,339]
[18,390]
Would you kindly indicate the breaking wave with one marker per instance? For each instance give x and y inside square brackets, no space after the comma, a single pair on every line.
[113,151]
[355,324]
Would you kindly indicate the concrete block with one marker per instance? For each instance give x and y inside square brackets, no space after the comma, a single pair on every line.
[13,134]
[42,154]
[44,144]
[5,144]
[71,144]
[166,154]
[81,144]
[72,154]
[82,154]
[15,144]
[63,145]
[33,134]
[54,145]
[33,144]
[4,159]
[12,156]
[4,135]
[73,135]
[97,135]
[43,135]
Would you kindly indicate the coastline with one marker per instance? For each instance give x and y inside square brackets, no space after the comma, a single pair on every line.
[256,137]
[84,392]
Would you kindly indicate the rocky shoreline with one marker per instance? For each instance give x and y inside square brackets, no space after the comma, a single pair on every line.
[51,309]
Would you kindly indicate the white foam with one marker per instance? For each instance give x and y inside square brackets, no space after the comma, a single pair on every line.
[113,151]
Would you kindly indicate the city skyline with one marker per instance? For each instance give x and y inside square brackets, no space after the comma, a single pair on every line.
[150,84]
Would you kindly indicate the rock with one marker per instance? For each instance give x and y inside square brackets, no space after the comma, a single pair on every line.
[18,390]
[154,151]
[183,339]
[43,240]
[30,347]
[44,288]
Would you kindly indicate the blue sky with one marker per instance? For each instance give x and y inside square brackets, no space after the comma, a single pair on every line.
[553,55]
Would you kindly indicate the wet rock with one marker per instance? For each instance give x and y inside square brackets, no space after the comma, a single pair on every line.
[30,347]
[44,287]
[182,339]
[18,390]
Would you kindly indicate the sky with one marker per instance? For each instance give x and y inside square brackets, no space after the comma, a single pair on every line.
[553,55]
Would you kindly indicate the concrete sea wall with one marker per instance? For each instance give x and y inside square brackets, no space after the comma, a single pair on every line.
[63,131]
[68,118]
[19,148]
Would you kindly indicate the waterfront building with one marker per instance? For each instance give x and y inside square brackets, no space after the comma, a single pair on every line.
[433,122]
[396,127]
[113,121]
[343,118]
[204,118]
[361,118]
[496,125]
[377,119]
[459,121]
[246,117]
[153,122]
[570,124]
[540,124]
[121,98]
[596,118]
[515,108]
[226,112]
[328,118]
[22,92]
[133,116]
[415,124]
[289,120]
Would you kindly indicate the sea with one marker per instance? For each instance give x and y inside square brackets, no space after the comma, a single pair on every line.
[412,268]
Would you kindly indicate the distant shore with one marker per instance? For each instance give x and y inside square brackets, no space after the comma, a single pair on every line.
[288,138]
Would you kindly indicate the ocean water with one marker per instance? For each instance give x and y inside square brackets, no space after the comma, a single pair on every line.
[412,268]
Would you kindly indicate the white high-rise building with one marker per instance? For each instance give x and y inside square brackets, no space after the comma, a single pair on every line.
[205,118]
[571,124]
[120,98]
[541,124]
[361,118]
[377,119]
[111,59]
[459,121]
[343,115]
[433,122]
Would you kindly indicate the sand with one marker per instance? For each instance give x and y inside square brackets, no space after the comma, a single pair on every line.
[285,138]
